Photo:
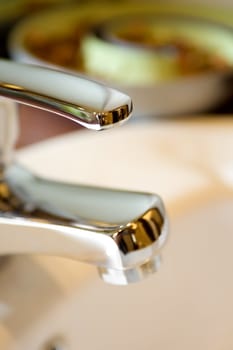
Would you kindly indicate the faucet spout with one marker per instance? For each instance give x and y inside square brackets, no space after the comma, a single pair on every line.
[86,102]
[120,232]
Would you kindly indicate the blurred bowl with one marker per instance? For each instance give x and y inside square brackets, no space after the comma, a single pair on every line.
[63,38]
[146,49]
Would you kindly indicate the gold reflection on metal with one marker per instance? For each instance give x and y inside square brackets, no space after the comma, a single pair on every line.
[68,110]
[141,233]
[115,116]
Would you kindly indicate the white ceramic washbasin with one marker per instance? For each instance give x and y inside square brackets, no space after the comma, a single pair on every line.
[48,302]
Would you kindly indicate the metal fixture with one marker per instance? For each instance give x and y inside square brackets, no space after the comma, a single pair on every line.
[120,232]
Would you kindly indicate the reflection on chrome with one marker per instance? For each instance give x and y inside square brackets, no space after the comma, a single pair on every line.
[86,102]
[120,232]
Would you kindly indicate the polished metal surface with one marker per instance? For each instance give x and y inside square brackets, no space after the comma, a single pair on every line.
[120,232]
[86,102]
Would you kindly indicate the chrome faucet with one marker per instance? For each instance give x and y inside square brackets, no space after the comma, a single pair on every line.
[120,232]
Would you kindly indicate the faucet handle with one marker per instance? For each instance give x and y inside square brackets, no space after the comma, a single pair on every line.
[89,103]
